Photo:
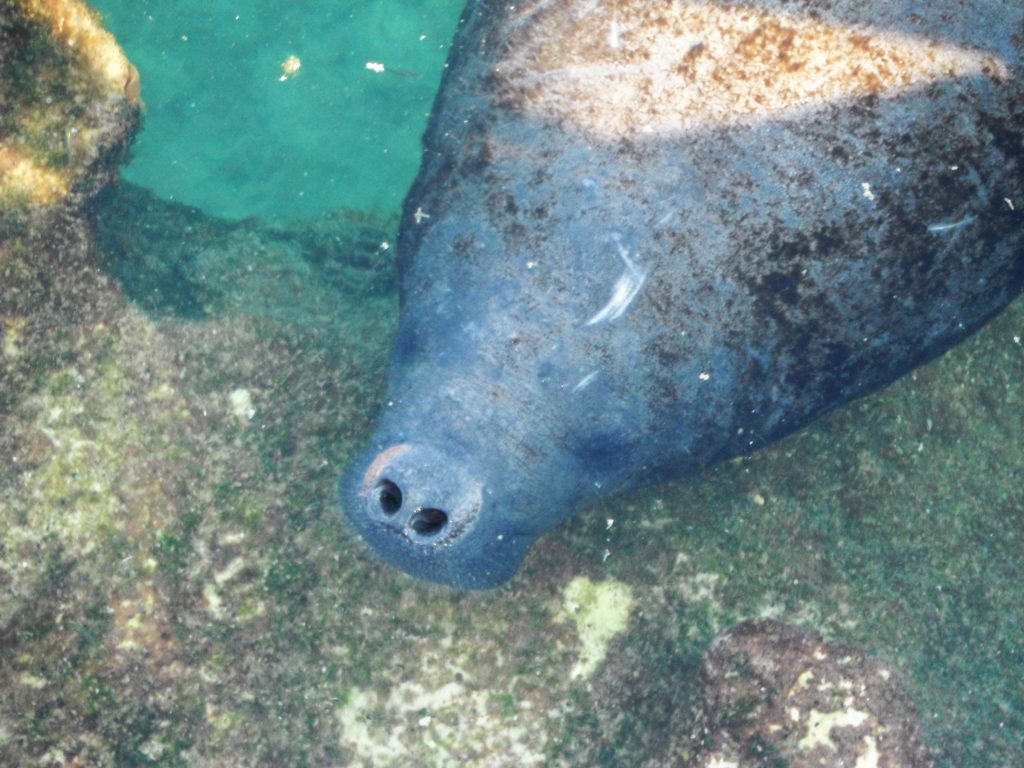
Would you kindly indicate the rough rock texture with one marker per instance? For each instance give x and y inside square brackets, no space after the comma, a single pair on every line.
[777,694]
[176,587]
[69,105]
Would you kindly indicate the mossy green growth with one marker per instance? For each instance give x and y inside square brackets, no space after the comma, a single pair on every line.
[84,447]
[36,72]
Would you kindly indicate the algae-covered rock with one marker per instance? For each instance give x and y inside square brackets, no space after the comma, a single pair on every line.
[776,694]
[69,104]
[69,101]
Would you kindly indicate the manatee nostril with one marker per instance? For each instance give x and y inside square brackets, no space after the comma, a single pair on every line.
[390,497]
[428,522]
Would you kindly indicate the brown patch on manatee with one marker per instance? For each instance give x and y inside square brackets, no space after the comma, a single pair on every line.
[682,67]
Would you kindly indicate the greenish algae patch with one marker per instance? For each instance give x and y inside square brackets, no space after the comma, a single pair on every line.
[82,449]
[600,611]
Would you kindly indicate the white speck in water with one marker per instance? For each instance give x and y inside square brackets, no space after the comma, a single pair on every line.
[375,66]
[866,189]
[241,404]
[614,41]
[1009,202]
[704,376]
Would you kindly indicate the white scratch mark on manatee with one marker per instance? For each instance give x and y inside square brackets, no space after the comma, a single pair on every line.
[626,289]
[585,381]
[614,33]
[946,227]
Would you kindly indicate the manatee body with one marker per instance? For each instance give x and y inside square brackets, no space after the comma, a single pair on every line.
[650,236]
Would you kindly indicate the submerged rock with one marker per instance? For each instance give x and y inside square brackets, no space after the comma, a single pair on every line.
[775,694]
[69,106]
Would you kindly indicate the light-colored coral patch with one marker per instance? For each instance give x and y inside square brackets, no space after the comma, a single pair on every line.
[720,761]
[820,725]
[32,681]
[11,331]
[420,723]
[240,401]
[600,612]
[870,756]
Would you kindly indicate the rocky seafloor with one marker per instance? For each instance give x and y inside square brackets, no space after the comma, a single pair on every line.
[178,396]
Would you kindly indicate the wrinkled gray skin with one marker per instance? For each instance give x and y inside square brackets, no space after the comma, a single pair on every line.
[764,284]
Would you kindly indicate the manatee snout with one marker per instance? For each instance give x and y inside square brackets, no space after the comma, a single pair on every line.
[422,493]
[419,506]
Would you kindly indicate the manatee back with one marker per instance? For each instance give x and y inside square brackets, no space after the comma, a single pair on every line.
[649,235]
[816,197]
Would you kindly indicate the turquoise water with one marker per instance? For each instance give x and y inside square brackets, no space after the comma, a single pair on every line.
[224,132]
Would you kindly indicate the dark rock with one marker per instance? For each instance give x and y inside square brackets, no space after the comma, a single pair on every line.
[778,695]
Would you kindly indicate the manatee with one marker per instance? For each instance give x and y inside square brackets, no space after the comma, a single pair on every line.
[649,236]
